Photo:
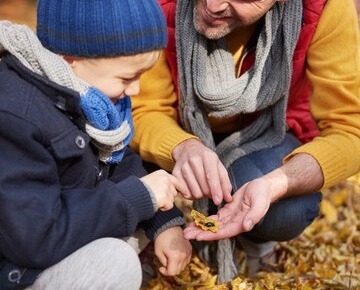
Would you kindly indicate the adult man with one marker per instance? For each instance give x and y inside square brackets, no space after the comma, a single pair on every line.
[284,125]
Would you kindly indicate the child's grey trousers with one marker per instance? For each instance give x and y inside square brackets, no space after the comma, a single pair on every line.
[104,264]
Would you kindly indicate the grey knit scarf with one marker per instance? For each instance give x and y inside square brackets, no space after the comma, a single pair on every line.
[208,86]
[22,42]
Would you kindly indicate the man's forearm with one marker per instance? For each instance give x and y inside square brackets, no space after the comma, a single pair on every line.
[300,175]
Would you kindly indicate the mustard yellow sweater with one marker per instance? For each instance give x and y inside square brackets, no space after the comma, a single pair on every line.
[333,68]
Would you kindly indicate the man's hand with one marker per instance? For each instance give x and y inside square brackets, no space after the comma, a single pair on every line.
[202,171]
[173,251]
[250,204]
[299,175]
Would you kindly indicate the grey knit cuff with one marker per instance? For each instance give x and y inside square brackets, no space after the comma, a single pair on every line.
[152,195]
[175,222]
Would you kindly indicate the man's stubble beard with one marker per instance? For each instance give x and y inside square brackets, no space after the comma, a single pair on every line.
[209,32]
[219,32]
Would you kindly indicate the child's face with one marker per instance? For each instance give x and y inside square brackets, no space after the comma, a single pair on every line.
[117,76]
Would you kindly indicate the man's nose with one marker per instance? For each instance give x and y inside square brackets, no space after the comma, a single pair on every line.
[216,6]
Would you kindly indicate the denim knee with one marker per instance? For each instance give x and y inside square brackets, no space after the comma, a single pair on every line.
[287,218]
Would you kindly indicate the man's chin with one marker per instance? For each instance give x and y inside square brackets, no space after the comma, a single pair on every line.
[213,33]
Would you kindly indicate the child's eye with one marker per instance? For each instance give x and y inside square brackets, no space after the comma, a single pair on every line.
[127,80]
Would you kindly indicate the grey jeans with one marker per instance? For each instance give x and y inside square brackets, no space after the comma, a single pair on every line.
[104,264]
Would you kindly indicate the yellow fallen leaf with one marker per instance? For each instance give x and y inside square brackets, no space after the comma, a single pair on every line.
[339,197]
[329,211]
[203,222]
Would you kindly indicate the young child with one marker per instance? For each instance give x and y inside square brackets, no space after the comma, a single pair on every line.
[70,187]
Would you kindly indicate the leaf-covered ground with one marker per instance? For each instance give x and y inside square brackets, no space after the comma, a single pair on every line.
[325,256]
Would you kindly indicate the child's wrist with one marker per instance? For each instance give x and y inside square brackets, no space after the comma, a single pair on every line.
[152,195]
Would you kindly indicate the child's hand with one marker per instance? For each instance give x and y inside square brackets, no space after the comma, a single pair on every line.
[165,187]
[173,251]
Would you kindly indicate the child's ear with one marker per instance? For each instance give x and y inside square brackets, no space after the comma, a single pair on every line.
[70,60]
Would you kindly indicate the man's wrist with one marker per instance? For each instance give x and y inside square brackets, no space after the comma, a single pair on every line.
[179,148]
[301,174]
[278,184]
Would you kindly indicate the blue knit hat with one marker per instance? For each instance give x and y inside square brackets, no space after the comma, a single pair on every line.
[101,28]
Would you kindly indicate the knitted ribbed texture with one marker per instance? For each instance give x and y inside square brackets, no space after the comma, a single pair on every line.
[161,221]
[104,116]
[208,85]
[109,126]
[91,28]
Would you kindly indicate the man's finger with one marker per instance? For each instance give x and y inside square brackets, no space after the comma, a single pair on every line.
[254,215]
[192,182]
[197,170]
[213,179]
[225,183]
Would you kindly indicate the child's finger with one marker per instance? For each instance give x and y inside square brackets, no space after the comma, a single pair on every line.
[167,206]
[180,186]
[172,267]
[162,258]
